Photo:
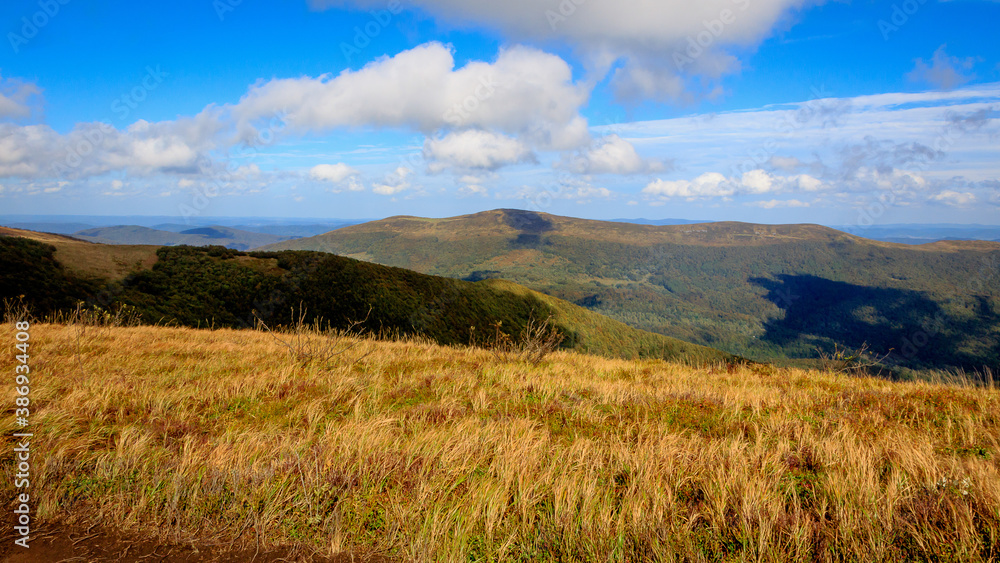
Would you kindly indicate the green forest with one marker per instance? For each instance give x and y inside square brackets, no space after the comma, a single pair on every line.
[803,295]
[214,286]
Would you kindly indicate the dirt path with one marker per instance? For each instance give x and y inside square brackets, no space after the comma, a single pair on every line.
[57,543]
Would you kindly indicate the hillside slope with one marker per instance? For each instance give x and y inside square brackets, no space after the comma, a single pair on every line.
[215,286]
[197,439]
[764,291]
[88,259]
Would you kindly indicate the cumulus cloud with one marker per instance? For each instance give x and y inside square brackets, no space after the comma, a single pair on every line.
[659,42]
[475,149]
[18,98]
[334,173]
[971,122]
[786,163]
[954,198]
[713,184]
[568,187]
[472,185]
[894,180]
[944,72]
[883,156]
[610,155]
[524,92]
[586,193]
[96,148]
[709,184]
[394,182]
[775,203]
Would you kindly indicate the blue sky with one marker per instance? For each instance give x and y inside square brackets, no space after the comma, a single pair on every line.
[755,110]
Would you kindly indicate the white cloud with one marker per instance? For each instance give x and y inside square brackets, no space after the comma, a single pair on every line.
[245,172]
[570,188]
[471,184]
[771,204]
[91,149]
[17,98]
[709,184]
[758,182]
[394,182]
[944,72]
[583,194]
[899,182]
[610,155]
[954,198]
[786,163]
[524,92]
[334,173]
[660,41]
[475,149]
[714,184]
[473,189]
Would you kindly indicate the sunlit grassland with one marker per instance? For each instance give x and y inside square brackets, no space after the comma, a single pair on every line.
[432,453]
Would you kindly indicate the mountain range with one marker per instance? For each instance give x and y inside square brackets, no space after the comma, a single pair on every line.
[199,236]
[789,293]
[221,287]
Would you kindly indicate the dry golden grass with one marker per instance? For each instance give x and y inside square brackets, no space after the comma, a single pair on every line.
[431,453]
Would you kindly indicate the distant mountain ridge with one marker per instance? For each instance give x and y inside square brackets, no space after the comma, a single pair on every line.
[923,234]
[763,291]
[198,236]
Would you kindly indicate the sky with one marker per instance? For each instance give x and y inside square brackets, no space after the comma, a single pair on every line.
[770,111]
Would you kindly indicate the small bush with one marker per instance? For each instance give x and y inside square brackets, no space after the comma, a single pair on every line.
[859,362]
[537,340]
[16,310]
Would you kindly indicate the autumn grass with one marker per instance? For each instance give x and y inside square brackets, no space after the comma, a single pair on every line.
[430,453]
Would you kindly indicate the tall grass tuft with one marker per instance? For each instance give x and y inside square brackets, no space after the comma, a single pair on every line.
[313,343]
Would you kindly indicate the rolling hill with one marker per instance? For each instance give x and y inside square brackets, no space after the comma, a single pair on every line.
[221,287]
[198,236]
[768,292]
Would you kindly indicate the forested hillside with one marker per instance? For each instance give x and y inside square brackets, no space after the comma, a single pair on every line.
[769,292]
[221,287]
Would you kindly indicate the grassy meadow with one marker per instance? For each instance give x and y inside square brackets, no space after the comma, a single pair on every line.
[424,452]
